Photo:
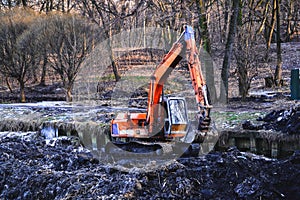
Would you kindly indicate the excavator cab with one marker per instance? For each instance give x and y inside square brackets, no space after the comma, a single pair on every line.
[176,121]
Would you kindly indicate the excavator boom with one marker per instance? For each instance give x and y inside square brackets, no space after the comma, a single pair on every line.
[186,43]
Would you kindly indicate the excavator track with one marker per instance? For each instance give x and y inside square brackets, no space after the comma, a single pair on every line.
[135,149]
[157,149]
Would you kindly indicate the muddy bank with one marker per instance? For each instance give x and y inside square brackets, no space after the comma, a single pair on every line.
[34,169]
[34,93]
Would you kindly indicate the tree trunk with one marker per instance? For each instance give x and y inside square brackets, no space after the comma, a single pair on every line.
[208,64]
[221,39]
[244,82]
[107,35]
[263,23]
[244,49]
[271,30]
[63,6]
[9,4]
[69,95]
[289,21]
[8,84]
[114,66]
[278,71]
[22,92]
[226,17]
[24,3]
[228,52]
[34,75]
[203,26]
[44,69]
[68,89]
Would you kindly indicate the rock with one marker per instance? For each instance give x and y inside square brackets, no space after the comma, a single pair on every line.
[248,187]
[206,193]
[295,158]
[286,121]
[49,132]
[248,125]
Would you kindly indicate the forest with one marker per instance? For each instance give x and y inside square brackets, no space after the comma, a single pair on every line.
[50,39]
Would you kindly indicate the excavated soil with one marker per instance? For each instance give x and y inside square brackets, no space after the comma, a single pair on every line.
[283,120]
[34,169]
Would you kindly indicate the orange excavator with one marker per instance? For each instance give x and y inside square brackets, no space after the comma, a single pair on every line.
[166,120]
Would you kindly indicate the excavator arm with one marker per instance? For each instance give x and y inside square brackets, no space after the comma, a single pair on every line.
[185,46]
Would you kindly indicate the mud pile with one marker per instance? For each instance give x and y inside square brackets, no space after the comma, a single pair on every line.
[287,121]
[36,169]
[284,120]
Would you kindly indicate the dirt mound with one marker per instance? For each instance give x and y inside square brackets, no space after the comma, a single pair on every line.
[34,169]
[287,121]
[284,120]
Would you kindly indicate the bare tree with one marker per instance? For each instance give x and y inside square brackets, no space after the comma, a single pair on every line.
[44,68]
[270,29]
[278,70]
[228,49]
[289,19]
[248,57]
[274,26]
[69,39]
[41,31]
[17,48]
[206,43]
[113,17]
[226,17]
[107,27]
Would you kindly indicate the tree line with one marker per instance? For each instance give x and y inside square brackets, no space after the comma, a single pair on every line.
[30,41]
[59,34]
